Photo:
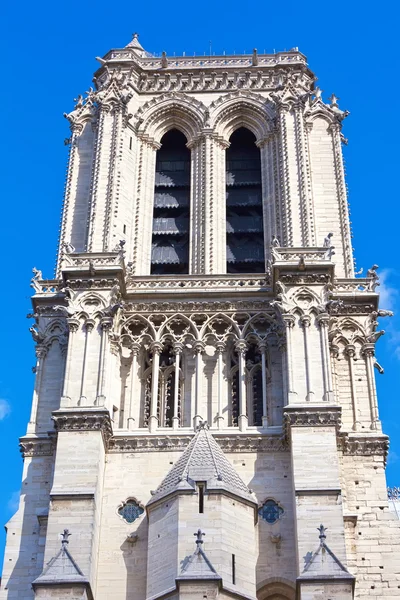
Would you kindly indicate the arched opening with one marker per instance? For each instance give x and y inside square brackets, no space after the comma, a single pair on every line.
[170,239]
[244,218]
[167,380]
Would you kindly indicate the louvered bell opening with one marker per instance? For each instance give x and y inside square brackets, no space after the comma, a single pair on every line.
[239,197]
[170,241]
[244,219]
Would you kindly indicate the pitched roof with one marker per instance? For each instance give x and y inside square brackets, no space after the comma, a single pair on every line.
[203,460]
[198,567]
[61,569]
[323,564]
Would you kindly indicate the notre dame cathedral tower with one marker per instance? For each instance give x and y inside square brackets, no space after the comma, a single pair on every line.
[204,421]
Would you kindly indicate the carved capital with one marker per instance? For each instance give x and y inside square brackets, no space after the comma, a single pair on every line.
[89,325]
[106,323]
[368,350]
[177,348]
[199,347]
[317,417]
[41,351]
[73,324]
[220,347]
[367,445]
[40,446]
[241,347]
[350,350]
[289,320]
[156,348]
[323,319]
[305,320]
[86,420]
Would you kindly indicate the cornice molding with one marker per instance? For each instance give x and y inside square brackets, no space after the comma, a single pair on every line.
[39,446]
[364,445]
[86,420]
[318,416]
[165,443]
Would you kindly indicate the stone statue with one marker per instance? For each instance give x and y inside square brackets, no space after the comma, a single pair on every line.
[374,337]
[275,242]
[71,308]
[68,248]
[377,366]
[37,335]
[373,278]
[37,277]
[328,241]
[384,313]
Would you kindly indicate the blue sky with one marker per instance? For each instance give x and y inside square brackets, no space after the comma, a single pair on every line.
[48,58]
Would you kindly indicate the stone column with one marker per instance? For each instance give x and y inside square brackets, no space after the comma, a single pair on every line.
[135,353]
[220,347]
[268,191]
[368,351]
[199,349]
[323,321]
[156,349]
[105,325]
[350,353]
[243,420]
[89,325]
[284,177]
[289,321]
[263,350]
[177,348]
[40,352]
[73,326]
[304,175]
[143,210]
[334,129]
[305,322]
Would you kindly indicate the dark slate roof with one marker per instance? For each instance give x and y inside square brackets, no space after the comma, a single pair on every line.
[203,460]
[198,567]
[60,570]
[324,564]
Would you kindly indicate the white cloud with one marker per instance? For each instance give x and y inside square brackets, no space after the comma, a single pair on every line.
[13,502]
[5,409]
[387,294]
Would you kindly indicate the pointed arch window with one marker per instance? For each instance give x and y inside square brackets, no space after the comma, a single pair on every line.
[254,388]
[244,216]
[170,238]
[166,389]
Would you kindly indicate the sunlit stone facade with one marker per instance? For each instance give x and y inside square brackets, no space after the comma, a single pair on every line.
[205,354]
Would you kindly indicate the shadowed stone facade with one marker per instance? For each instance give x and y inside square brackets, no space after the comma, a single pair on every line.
[204,420]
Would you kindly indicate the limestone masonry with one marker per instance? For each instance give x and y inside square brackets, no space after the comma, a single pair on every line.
[204,421]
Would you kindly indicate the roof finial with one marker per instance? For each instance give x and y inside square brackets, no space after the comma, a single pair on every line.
[64,537]
[254,58]
[202,425]
[199,537]
[135,36]
[322,534]
[334,100]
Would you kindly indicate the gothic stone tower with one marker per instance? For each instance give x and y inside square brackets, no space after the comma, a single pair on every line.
[205,355]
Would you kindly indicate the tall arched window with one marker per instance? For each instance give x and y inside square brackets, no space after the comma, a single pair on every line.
[244,218]
[170,240]
[167,381]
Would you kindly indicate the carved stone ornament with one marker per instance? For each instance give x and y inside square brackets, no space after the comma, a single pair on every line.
[317,417]
[364,445]
[228,443]
[88,420]
[37,446]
